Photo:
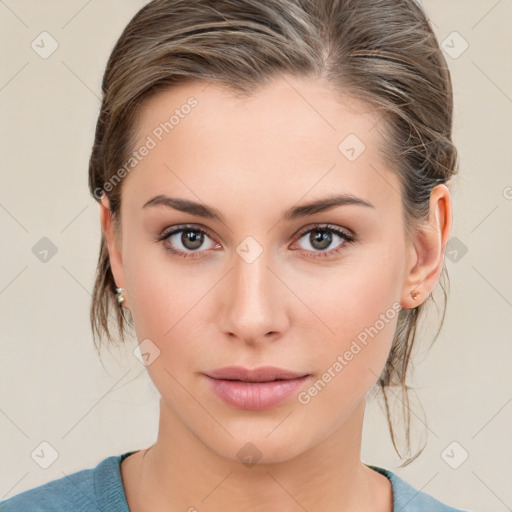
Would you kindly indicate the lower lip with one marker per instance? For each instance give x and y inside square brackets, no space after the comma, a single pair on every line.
[255,395]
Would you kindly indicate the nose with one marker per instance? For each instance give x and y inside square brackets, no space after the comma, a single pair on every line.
[253,301]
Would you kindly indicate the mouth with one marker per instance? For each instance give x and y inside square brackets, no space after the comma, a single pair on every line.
[261,374]
[257,389]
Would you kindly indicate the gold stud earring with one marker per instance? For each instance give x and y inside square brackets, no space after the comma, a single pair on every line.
[414,294]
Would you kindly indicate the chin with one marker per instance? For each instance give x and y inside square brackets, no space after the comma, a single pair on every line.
[256,445]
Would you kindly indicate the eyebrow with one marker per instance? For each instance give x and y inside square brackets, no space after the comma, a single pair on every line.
[295,212]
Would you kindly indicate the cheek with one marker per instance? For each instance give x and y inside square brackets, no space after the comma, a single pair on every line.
[160,292]
[349,363]
[353,295]
[171,304]
[358,304]
[165,304]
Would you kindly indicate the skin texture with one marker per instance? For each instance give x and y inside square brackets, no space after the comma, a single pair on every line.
[251,159]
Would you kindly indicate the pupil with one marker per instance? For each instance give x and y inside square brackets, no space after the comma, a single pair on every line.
[192,239]
[322,237]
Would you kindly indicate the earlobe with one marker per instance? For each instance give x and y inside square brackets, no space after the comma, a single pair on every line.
[112,242]
[429,248]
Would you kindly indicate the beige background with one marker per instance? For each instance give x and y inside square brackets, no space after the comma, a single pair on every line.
[53,386]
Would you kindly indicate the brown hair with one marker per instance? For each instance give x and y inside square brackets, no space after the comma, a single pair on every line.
[382,52]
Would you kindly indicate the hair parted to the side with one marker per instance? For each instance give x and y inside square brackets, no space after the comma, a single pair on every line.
[382,52]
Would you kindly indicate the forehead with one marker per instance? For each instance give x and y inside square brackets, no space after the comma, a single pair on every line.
[292,137]
[285,110]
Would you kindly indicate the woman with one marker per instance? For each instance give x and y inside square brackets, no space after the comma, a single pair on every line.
[272,180]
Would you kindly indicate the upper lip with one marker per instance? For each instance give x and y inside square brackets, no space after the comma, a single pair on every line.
[261,374]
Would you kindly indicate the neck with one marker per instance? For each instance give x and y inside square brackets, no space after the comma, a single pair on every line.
[179,472]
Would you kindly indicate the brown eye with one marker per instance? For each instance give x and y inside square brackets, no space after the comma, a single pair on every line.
[192,239]
[320,238]
[187,241]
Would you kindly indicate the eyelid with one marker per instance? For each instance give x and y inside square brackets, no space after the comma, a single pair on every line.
[345,232]
[164,236]
[183,227]
[347,235]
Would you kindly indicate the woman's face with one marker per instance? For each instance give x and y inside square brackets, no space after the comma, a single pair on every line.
[257,288]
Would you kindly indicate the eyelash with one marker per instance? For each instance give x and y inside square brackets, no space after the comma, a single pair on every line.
[348,239]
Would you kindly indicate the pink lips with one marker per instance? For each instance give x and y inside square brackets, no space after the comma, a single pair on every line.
[257,389]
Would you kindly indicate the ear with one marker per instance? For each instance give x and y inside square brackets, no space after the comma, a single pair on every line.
[113,243]
[428,247]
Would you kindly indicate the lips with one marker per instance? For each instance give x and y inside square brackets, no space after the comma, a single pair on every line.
[255,389]
[261,374]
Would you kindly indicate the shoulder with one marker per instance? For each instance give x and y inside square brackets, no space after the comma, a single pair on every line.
[408,499]
[89,490]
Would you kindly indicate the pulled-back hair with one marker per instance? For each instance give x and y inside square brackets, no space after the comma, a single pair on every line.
[383,52]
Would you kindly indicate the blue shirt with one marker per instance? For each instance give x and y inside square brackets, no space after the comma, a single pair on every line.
[100,489]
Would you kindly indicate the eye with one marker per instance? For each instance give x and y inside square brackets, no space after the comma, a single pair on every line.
[189,241]
[186,241]
[321,237]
